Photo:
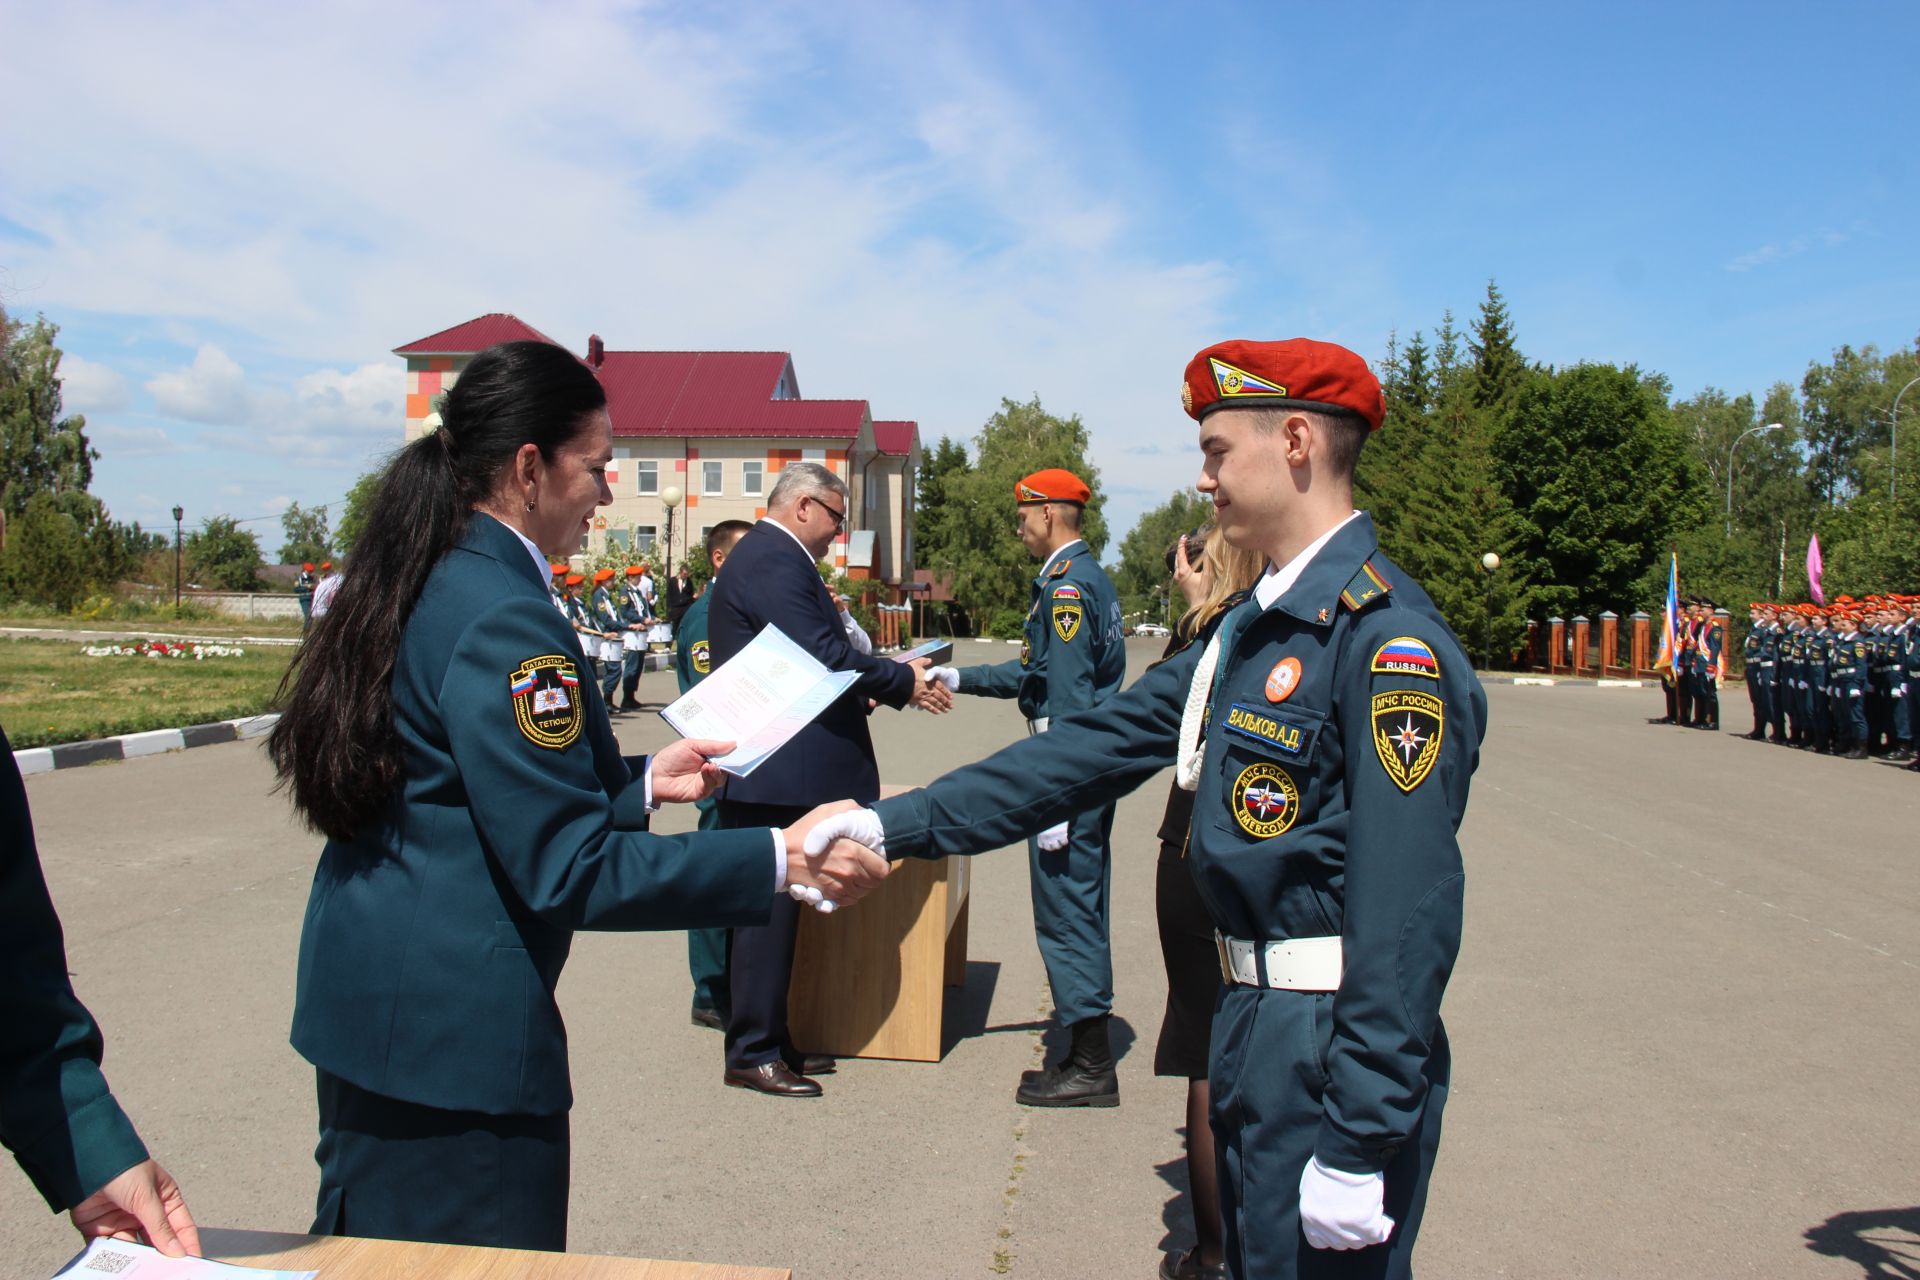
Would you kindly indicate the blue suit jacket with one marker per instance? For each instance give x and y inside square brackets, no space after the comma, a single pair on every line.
[434,939]
[770,578]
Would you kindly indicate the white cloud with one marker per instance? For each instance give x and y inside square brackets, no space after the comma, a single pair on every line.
[1775,252]
[89,387]
[213,389]
[118,441]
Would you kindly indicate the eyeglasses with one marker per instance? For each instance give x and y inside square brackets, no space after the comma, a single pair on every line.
[839,517]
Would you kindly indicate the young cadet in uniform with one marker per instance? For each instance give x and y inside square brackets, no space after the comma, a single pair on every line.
[692,661]
[478,813]
[1818,643]
[1753,653]
[1708,666]
[557,590]
[1847,686]
[1329,731]
[605,617]
[636,616]
[1910,677]
[1071,657]
[303,592]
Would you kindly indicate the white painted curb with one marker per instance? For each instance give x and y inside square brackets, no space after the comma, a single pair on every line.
[152,743]
[1535,680]
[254,726]
[34,760]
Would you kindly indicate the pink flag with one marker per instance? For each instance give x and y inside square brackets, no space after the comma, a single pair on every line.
[1814,567]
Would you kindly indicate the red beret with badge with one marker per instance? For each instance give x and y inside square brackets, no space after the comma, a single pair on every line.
[601,575]
[1052,485]
[1298,373]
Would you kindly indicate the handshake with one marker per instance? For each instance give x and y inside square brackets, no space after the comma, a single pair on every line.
[833,857]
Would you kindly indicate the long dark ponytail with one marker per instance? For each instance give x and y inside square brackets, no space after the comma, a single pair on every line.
[335,749]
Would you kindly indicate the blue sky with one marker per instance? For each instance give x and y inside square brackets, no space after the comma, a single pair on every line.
[236,212]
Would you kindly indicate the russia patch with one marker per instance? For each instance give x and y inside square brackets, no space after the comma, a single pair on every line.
[1066,591]
[1238,382]
[1406,656]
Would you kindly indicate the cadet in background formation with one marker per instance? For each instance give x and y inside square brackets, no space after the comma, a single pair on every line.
[692,661]
[1837,680]
[636,618]
[1071,658]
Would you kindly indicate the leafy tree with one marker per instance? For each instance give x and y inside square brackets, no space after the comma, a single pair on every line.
[1141,578]
[223,555]
[359,502]
[46,558]
[938,468]
[307,538]
[41,449]
[975,540]
[1600,478]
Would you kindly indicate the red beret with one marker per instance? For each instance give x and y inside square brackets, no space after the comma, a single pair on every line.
[308,566]
[574,579]
[1052,485]
[601,575]
[1296,374]
[559,570]
[634,571]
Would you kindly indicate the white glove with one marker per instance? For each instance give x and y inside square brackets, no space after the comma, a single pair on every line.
[1855,692]
[1053,839]
[859,825]
[1899,692]
[1341,1210]
[948,676]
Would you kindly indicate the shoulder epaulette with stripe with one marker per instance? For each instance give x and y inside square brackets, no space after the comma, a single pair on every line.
[1366,587]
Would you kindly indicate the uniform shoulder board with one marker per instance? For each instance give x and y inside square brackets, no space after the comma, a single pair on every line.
[1366,588]
[1060,570]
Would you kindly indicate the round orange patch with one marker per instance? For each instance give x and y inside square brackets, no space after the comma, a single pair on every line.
[1283,679]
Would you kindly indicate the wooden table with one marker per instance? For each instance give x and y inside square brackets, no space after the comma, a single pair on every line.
[870,982]
[350,1258]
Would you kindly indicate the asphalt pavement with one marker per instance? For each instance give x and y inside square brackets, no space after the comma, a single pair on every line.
[1684,1026]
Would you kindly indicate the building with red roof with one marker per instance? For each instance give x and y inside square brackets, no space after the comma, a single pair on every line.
[699,437]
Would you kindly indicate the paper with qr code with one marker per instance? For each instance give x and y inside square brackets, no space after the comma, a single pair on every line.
[105,1258]
[758,699]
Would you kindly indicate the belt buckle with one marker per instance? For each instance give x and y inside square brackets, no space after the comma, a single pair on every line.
[1226,961]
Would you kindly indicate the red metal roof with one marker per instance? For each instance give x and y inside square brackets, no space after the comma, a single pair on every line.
[717,393]
[895,438]
[475,335]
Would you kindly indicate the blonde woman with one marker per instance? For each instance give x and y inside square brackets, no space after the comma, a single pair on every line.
[1212,583]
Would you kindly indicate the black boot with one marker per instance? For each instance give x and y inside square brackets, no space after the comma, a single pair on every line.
[1085,1079]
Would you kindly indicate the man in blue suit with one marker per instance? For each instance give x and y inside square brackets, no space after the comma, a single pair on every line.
[773,577]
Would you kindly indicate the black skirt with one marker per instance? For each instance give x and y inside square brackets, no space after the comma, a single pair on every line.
[1193,968]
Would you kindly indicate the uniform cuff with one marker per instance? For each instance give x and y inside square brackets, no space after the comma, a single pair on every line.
[779,861]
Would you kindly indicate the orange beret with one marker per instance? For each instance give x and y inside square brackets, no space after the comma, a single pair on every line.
[1052,485]
[634,570]
[307,567]
[326,564]
[601,575]
[559,570]
[1296,374]
[574,579]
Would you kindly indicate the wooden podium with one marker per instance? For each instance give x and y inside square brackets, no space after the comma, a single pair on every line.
[870,981]
[352,1258]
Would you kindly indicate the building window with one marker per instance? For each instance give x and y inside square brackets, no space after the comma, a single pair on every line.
[710,479]
[706,530]
[645,535]
[752,478]
[618,538]
[647,474]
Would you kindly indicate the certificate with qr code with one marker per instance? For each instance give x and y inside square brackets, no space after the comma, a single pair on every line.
[119,1258]
[758,699]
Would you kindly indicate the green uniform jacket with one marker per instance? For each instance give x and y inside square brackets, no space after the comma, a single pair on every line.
[434,939]
[1344,726]
[692,656]
[56,1114]
[1071,654]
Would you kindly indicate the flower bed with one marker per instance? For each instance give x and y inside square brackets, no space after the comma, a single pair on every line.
[164,649]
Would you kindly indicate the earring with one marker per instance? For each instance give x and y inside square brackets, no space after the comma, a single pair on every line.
[529,504]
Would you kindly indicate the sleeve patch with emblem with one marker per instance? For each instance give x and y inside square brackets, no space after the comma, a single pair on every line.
[1066,620]
[1066,591]
[546,701]
[1406,656]
[1407,729]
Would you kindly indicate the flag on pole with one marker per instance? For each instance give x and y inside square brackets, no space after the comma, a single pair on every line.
[1670,619]
[1814,569]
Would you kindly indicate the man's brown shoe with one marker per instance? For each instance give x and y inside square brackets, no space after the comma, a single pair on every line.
[776,1078]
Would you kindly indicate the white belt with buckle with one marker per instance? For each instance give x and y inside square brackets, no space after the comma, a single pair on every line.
[1295,964]
[1036,726]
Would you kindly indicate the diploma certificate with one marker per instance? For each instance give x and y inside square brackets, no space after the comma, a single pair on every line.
[758,699]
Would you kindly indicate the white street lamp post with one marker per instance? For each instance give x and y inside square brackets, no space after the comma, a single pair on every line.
[1771,426]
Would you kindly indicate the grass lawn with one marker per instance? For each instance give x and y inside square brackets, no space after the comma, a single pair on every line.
[52,692]
[287,627]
